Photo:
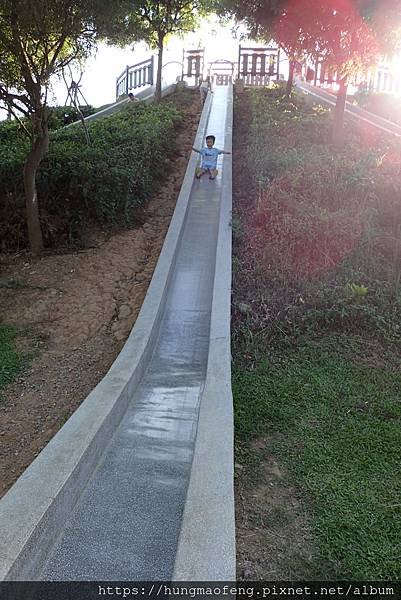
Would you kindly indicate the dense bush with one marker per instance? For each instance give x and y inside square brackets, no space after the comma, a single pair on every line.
[9,132]
[81,184]
[321,237]
[12,213]
[64,115]
[58,117]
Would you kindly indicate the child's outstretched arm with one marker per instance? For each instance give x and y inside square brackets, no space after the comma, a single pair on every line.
[196,150]
[224,152]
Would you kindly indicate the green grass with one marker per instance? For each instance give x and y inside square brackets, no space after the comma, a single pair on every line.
[19,283]
[11,361]
[336,427]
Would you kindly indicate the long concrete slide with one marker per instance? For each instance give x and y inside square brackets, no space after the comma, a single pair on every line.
[351,111]
[138,484]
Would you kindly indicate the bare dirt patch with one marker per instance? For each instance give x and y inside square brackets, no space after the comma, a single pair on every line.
[79,308]
[273,533]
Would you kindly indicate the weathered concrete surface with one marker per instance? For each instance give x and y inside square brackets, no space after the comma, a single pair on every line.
[206,549]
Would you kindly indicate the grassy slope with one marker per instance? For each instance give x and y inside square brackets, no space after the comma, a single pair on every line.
[336,427]
[328,390]
[11,362]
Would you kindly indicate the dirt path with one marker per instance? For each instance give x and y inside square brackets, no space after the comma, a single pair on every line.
[80,308]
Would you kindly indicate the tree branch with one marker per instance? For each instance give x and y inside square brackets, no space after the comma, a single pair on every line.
[21,123]
[31,85]
[10,99]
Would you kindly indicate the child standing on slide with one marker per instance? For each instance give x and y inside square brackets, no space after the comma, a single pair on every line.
[209,158]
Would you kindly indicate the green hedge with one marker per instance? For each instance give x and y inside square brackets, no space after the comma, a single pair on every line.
[64,115]
[81,184]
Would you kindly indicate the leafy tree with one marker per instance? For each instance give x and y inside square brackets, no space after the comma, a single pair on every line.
[349,35]
[347,44]
[291,29]
[285,22]
[384,18]
[342,32]
[153,21]
[38,38]
[266,20]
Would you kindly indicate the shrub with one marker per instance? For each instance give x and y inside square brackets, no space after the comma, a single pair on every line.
[64,115]
[9,132]
[80,184]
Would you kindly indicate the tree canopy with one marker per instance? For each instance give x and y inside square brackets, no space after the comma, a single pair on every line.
[152,21]
[349,35]
[334,31]
[38,38]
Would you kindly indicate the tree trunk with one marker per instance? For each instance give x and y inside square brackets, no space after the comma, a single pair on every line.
[38,149]
[322,73]
[158,90]
[338,125]
[290,79]
[316,68]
